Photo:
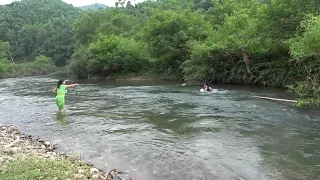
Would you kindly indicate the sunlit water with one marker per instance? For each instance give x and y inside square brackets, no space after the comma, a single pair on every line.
[162,130]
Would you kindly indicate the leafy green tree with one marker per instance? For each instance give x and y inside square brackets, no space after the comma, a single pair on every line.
[168,33]
[203,4]
[79,63]
[114,54]
[4,48]
[23,24]
[308,43]
[305,47]
[85,27]
[120,23]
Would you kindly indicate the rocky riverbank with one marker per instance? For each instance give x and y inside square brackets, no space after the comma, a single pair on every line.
[22,157]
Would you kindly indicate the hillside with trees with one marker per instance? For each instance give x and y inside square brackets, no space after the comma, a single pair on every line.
[257,42]
[34,27]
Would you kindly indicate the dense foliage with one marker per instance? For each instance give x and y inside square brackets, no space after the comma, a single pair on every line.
[111,54]
[34,27]
[41,65]
[262,42]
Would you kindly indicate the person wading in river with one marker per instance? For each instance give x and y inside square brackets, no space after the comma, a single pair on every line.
[60,90]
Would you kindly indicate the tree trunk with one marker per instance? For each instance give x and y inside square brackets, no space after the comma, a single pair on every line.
[276,99]
[246,59]
[11,56]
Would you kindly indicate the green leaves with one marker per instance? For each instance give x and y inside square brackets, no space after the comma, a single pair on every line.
[111,54]
[38,27]
[43,60]
[41,65]
[308,43]
[168,33]
[244,41]
[4,47]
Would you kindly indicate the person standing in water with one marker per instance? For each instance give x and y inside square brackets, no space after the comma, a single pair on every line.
[60,90]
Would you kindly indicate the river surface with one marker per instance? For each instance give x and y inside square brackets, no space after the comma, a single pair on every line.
[162,130]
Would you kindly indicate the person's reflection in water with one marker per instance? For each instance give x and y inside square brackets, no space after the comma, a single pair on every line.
[61,117]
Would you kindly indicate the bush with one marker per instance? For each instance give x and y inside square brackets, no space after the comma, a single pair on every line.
[305,47]
[167,34]
[79,63]
[3,67]
[307,43]
[208,63]
[41,65]
[114,54]
[42,60]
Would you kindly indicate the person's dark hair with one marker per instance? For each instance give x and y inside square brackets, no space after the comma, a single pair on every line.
[59,83]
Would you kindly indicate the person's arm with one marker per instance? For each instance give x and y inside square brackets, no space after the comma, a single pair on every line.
[72,85]
[54,90]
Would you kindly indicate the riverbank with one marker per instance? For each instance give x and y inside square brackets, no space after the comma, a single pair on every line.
[40,66]
[135,77]
[23,157]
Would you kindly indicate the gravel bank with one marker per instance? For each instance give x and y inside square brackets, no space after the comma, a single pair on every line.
[16,146]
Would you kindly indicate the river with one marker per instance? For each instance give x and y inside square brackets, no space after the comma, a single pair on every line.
[162,130]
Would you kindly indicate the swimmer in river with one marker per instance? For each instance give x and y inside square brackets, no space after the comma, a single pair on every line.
[60,90]
[206,87]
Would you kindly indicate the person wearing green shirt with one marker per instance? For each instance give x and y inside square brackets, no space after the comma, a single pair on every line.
[60,91]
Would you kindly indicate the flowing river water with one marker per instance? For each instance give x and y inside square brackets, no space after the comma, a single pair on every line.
[162,130]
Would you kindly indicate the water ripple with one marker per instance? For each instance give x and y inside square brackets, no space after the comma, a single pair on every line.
[159,130]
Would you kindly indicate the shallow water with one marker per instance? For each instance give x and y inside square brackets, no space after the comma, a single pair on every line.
[162,130]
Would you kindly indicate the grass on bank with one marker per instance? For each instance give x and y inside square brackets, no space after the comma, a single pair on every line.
[40,168]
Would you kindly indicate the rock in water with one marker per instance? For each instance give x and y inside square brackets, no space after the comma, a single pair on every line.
[114,173]
[47,143]
[94,170]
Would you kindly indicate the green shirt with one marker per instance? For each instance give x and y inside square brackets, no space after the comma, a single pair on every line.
[62,90]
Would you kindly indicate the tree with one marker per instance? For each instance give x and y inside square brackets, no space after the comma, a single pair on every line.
[114,54]
[4,48]
[23,24]
[122,3]
[168,32]
[308,42]
[305,46]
